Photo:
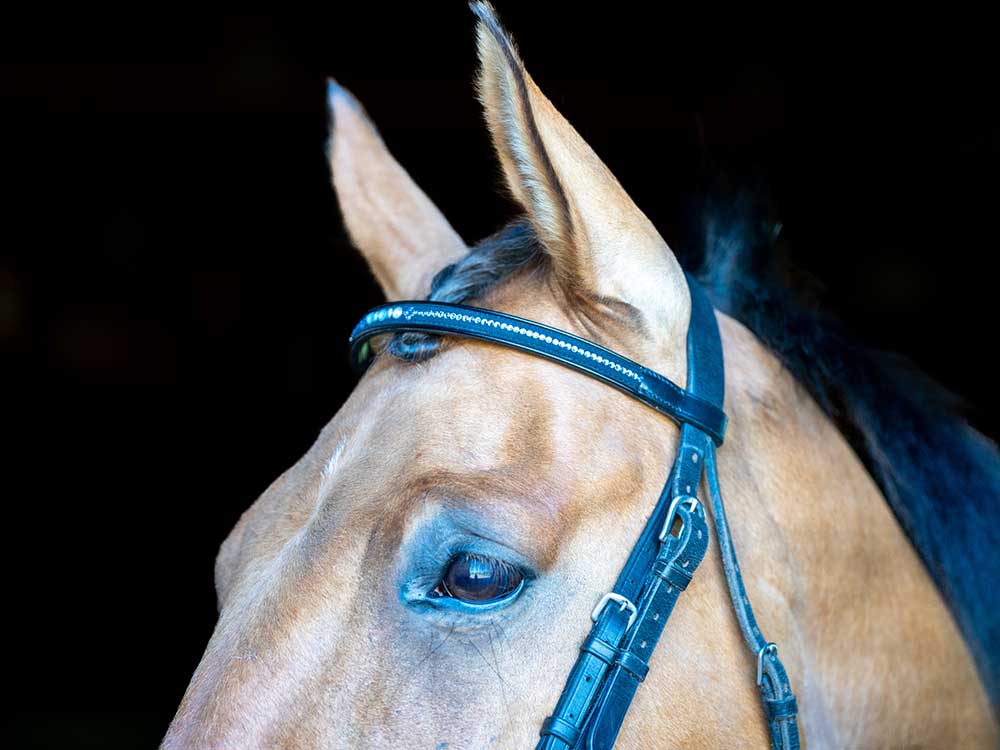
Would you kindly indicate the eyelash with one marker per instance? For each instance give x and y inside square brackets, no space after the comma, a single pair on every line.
[504,568]
[448,605]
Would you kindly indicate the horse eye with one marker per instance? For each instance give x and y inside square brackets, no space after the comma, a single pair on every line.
[477,578]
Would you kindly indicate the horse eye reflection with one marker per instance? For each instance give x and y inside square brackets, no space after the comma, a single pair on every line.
[477,578]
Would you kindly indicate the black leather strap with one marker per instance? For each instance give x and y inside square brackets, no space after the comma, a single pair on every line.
[656,605]
[583,685]
[778,700]
[655,567]
[572,351]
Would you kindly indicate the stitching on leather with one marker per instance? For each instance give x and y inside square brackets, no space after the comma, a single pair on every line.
[594,355]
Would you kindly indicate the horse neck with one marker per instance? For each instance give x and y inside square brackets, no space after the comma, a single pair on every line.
[832,577]
[793,485]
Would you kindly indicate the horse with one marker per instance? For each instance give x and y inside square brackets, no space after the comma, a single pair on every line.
[421,577]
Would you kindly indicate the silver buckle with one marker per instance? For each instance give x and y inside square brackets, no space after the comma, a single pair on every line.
[769,648]
[692,502]
[624,604]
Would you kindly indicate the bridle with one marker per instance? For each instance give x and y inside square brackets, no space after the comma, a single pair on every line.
[614,657]
[629,619]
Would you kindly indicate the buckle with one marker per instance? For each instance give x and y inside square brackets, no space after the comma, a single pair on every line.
[768,648]
[692,503]
[623,603]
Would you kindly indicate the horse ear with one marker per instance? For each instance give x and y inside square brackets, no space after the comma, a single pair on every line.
[604,250]
[399,231]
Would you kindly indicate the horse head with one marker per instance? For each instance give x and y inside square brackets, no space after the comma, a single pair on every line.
[422,576]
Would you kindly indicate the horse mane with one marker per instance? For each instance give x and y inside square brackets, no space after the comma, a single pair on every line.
[940,477]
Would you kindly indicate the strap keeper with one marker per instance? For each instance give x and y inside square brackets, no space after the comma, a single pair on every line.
[560,728]
[780,708]
[632,664]
[600,648]
[673,574]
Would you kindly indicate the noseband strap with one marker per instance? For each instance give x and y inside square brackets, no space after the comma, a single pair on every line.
[614,658]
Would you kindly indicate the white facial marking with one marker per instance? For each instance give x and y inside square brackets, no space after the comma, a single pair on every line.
[330,468]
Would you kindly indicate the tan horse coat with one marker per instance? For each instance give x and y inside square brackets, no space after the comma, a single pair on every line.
[314,648]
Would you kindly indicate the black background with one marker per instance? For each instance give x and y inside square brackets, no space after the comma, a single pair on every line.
[176,288]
